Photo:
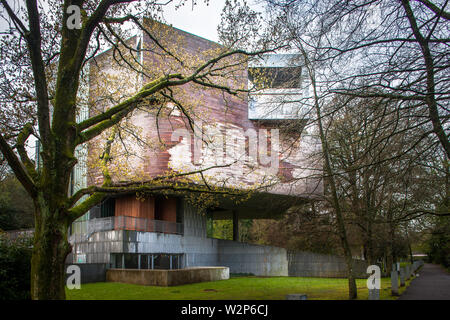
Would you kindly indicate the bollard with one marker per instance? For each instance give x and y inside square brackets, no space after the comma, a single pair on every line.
[402,277]
[296,296]
[374,294]
[407,272]
[394,283]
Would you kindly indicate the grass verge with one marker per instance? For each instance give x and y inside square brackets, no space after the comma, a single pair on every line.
[236,288]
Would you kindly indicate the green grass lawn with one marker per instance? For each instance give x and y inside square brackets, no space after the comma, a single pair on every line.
[236,288]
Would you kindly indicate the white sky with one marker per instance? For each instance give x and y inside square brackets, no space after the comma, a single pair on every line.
[202,20]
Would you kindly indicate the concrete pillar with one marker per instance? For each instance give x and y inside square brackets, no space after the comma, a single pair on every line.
[402,277]
[296,296]
[394,282]
[235,226]
[374,294]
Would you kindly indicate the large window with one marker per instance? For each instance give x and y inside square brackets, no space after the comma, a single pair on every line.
[165,261]
[103,210]
[275,77]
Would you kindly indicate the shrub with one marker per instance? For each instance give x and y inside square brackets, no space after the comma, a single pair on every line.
[15,266]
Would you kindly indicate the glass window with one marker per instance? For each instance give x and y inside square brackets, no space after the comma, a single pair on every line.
[131,261]
[144,261]
[108,207]
[162,261]
[275,77]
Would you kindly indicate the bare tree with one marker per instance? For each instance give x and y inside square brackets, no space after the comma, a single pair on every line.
[388,49]
[43,56]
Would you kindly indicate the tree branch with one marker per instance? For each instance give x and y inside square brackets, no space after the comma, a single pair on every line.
[17,167]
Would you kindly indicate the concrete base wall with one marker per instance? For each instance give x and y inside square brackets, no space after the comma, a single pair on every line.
[255,259]
[198,250]
[308,264]
[168,277]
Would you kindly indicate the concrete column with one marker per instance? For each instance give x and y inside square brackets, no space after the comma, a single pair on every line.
[296,296]
[235,226]
[394,282]
[374,294]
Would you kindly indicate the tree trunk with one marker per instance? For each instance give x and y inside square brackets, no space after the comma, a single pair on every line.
[369,243]
[352,289]
[50,250]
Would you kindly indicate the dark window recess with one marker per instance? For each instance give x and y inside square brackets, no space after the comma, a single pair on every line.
[108,208]
[146,261]
[131,261]
[103,210]
[162,261]
[95,212]
[158,208]
[179,210]
[275,77]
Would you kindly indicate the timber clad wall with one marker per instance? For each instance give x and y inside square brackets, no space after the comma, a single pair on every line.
[152,208]
[130,206]
[167,208]
[212,108]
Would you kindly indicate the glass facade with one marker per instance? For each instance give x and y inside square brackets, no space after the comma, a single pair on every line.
[164,261]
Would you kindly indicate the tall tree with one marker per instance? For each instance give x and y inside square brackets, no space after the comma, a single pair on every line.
[43,56]
[398,50]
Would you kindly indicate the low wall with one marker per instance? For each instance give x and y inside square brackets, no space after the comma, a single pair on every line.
[240,257]
[308,264]
[168,277]
[255,259]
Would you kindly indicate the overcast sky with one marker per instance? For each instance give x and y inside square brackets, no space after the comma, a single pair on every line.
[201,20]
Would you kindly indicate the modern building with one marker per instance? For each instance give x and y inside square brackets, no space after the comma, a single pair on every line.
[170,230]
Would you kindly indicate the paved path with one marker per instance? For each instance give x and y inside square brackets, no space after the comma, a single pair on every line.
[433,283]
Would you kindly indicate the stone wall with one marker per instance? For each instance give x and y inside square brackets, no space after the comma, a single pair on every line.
[167,277]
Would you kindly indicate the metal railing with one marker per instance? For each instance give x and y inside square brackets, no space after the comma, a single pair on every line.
[82,230]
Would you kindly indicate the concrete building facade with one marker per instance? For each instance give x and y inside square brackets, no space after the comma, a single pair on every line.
[168,230]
